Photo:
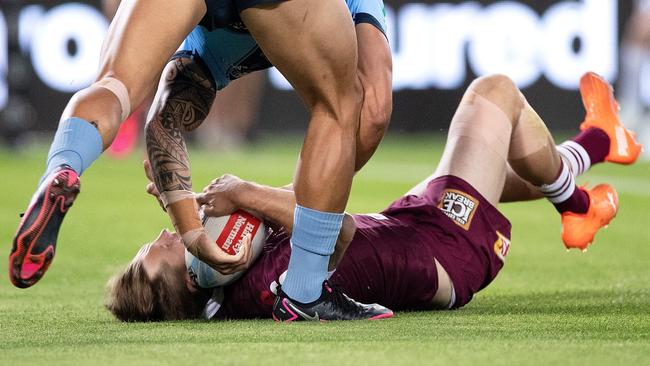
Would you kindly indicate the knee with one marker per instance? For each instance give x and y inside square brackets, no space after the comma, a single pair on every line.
[502,91]
[161,108]
[95,104]
[495,86]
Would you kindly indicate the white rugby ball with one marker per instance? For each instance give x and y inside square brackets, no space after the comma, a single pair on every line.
[227,232]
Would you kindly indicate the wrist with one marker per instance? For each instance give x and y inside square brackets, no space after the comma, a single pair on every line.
[244,195]
[185,215]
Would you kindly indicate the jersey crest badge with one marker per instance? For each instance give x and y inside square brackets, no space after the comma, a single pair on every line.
[458,206]
[501,246]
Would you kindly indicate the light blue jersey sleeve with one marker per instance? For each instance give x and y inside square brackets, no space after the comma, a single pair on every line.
[368,11]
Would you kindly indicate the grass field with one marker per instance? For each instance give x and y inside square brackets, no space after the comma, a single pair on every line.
[547,306]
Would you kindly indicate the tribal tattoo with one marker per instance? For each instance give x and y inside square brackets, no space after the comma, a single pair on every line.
[180,107]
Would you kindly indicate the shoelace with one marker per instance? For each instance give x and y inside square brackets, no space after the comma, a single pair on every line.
[342,301]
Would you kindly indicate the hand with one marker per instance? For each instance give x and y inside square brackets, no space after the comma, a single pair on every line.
[219,198]
[151,187]
[206,251]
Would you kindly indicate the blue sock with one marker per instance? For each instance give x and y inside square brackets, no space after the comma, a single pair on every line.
[76,143]
[312,242]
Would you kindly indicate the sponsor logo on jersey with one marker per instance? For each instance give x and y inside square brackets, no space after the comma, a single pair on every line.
[238,226]
[458,206]
[501,246]
[376,216]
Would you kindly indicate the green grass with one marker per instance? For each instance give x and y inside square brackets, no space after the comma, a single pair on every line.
[547,306]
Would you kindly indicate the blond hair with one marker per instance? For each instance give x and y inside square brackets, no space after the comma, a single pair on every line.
[132,296]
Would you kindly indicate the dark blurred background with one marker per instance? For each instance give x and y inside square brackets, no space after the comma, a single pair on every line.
[50,49]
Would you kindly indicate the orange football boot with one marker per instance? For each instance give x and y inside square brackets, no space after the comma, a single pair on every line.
[578,230]
[602,112]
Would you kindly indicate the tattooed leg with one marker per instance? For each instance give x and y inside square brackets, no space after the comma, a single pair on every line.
[183,100]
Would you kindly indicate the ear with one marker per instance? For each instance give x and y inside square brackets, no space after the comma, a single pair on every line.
[191,286]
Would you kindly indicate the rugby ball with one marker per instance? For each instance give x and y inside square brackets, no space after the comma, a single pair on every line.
[227,232]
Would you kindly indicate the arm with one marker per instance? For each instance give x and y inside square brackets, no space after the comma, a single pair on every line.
[375,70]
[183,101]
[228,193]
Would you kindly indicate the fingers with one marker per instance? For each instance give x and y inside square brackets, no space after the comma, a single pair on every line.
[239,261]
[217,258]
[147,170]
[201,198]
[221,178]
[248,246]
[151,189]
[249,250]
[210,210]
[217,211]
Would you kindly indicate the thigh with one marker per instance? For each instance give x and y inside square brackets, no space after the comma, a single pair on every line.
[142,37]
[476,149]
[312,43]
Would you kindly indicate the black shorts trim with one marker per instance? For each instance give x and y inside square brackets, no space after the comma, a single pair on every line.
[369,19]
[219,7]
[225,13]
[245,4]
[194,56]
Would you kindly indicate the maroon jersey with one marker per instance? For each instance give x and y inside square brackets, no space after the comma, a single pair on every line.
[390,261]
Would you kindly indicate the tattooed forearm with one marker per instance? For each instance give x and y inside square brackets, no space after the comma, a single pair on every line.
[182,103]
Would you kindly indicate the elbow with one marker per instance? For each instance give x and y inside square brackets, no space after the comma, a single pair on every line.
[193,108]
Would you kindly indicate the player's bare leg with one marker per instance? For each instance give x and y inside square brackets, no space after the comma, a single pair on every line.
[140,40]
[584,211]
[602,138]
[477,152]
[533,156]
[493,118]
[313,43]
[375,71]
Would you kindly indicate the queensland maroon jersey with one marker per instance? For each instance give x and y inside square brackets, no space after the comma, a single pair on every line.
[390,261]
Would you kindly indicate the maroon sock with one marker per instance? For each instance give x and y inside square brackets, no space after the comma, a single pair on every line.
[564,194]
[578,203]
[596,142]
[589,147]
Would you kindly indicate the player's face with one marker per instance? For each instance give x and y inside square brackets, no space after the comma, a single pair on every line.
[167,248]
